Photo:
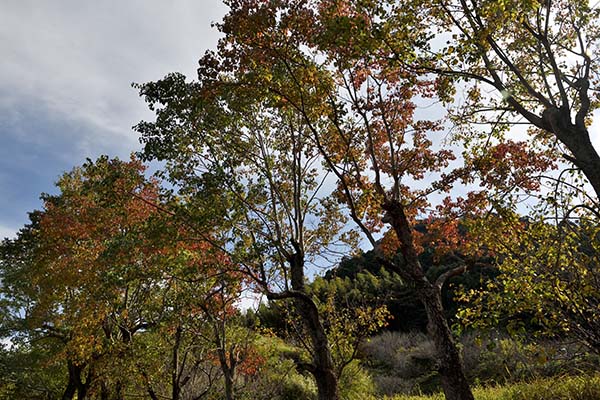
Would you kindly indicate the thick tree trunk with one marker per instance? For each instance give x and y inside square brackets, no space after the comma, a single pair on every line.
[322,369]
[450,367]
[577,139]
[327,385]
[585,157]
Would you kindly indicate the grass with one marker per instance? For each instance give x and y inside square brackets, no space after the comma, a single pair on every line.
[557,388]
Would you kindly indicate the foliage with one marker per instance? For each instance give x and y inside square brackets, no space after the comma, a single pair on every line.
[31,372]
[536,56]
[279,377]
[113,282]
[548,272]
[314,80]
[302,131]
[365,277]
[349,318]
[356,383]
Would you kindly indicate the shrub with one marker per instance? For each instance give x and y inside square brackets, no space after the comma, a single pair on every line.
[402,362]
[565,388]
[356,383]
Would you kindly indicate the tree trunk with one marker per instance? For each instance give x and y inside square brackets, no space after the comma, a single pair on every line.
[71,388]
[229,382]
[228,366]
[104,393]
[175,365]
[327,385]
[450,367]
[75,384]
[577,139]
[323,369]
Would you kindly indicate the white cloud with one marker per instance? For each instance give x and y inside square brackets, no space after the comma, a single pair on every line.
[79,58]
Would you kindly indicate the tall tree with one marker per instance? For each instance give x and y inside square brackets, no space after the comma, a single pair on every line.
[320,73]
[533,63]
[255,170]
[540,57]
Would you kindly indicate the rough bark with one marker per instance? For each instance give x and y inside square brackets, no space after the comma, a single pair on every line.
[323,368]
[450,367]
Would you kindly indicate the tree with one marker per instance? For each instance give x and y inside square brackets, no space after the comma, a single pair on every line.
[540,60]
[547,272]
[253,174]
[539,57]
[316,67]
[93,260]
[31,371]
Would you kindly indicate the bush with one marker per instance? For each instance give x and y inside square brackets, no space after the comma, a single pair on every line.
[356,383]
[565,388]
[279,378]
[405,362]
[402,363]
[498,359]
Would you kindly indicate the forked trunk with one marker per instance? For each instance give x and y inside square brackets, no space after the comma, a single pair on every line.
[75,384]
[322,369]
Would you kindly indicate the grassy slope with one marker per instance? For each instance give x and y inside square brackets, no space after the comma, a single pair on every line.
[558,388]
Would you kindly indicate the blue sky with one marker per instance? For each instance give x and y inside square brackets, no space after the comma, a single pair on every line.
[65,77]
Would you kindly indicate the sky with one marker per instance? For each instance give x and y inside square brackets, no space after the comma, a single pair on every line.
[65,83]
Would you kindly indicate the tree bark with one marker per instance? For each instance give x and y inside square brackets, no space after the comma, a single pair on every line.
[229,382]
[577,140]
[75,384]
[71,388]
[450,367]
[175,365]
[228,364]
[228,368]
[323,369]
